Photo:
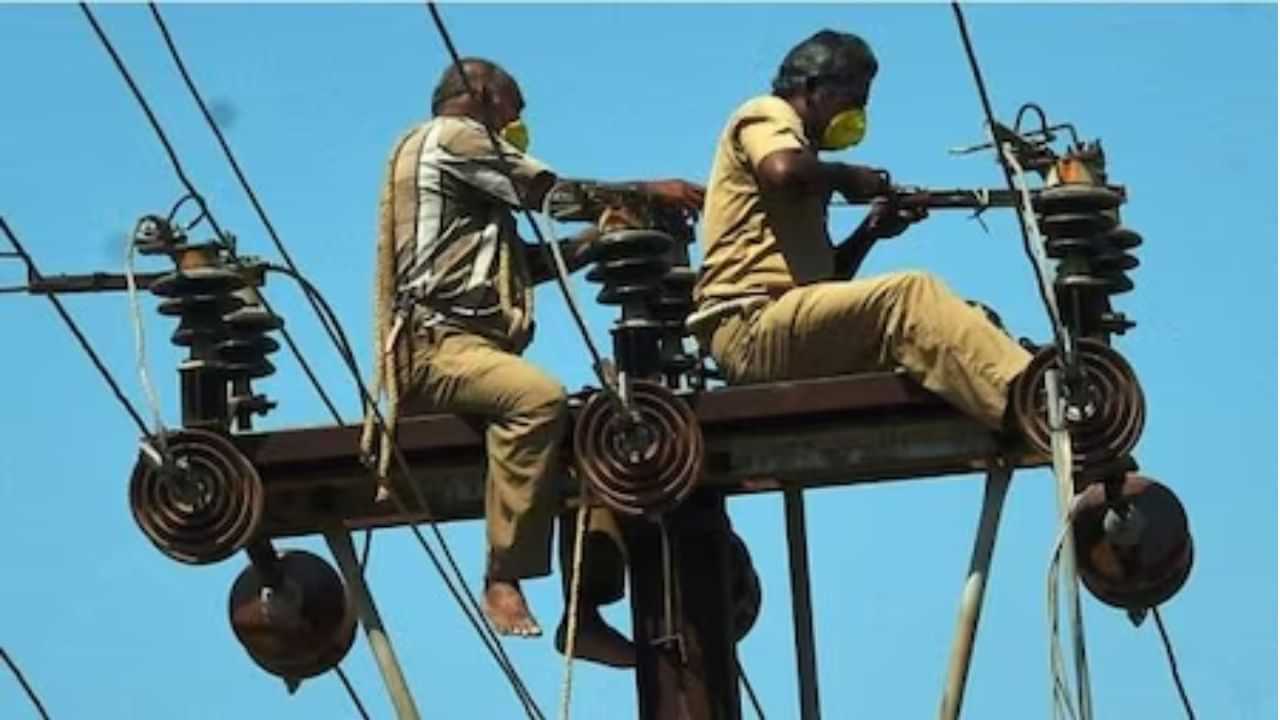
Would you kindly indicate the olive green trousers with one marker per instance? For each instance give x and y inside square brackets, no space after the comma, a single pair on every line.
[909,320]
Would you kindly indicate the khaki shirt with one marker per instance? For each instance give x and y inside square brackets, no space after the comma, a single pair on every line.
[459,261]
[752,244]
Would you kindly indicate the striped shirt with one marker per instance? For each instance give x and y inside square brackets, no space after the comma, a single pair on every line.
[459,260]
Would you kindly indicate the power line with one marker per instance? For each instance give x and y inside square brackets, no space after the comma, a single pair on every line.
[464,597]
[75,330]
[1004,166]
[751,692]
[500,655]
[13,667]
[351,691]
[226,149]
[195,194]
[1173,664]
[562,280]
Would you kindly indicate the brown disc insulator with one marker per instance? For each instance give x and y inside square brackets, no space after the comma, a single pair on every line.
[643,462]
[1073,197]
[197,281]
[204,504]
[1136,551]
[1108,398]
[745,590]
[300,624]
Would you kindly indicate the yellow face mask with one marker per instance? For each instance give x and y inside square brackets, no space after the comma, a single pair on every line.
[845,130]
[516,133]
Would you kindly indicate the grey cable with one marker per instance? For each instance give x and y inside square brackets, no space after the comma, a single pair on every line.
[1173,664]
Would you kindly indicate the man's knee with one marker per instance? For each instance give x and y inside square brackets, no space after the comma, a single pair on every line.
[914,286]
[543,401]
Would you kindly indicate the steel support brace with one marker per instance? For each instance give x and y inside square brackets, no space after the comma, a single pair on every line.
[1062,471]
[345,553]
[801,603]
[975,588]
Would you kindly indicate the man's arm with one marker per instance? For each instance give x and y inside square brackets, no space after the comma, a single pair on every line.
[797,172]
[578,251]
[883,221]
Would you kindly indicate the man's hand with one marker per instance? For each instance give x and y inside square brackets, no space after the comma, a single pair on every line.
[685,195]
[885,219]
[858,182]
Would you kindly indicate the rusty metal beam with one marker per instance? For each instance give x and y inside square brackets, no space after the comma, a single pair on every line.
[838,431]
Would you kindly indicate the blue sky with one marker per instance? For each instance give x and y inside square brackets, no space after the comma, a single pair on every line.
[1184,98]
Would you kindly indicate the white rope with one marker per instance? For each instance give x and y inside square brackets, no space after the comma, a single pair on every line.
[1057,672]
[571,631]
[140,345]
[1059,571]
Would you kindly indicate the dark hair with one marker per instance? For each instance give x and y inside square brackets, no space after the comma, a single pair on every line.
[826,56]
[480,73]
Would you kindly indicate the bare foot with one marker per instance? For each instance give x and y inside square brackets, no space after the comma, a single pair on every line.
[596,641]
[507,611]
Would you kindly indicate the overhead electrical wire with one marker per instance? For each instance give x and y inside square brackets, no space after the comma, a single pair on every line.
[226,148]
[490,640]
[22,680]
[1004,167]
[562,279]
[561,275]
[351,691]
[463,596]
[190,187]
[1173,664]
[1008,164]
[75,330]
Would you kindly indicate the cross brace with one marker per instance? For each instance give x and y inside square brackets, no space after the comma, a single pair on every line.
[785,436]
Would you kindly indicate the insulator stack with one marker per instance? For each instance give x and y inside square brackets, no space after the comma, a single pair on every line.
[244,348]
[221,320]
[1133,543]
[631,268]
[1080,224]
[670,308]
[247,344]
[297,623]
[199,293]
[642,462]
[1106,409]
[203,504]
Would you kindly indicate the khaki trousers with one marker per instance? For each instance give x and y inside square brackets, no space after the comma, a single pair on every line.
[524,411]
[908,319]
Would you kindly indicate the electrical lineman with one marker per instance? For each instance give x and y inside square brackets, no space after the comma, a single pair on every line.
[454,312]
[777,301]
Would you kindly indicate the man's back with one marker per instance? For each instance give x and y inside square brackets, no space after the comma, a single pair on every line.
[456,248]
[753,243]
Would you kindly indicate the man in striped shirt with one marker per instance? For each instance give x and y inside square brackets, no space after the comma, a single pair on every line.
[454,298]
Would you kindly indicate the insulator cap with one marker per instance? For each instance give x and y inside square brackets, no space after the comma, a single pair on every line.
[204,505]
[644,465]
[1140,556]
[299,628]
[1108,394]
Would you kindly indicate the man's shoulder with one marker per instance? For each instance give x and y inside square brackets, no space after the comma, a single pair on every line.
[763,107]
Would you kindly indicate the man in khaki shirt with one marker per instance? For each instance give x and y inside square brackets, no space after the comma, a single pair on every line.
[454,311]
[777,301]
